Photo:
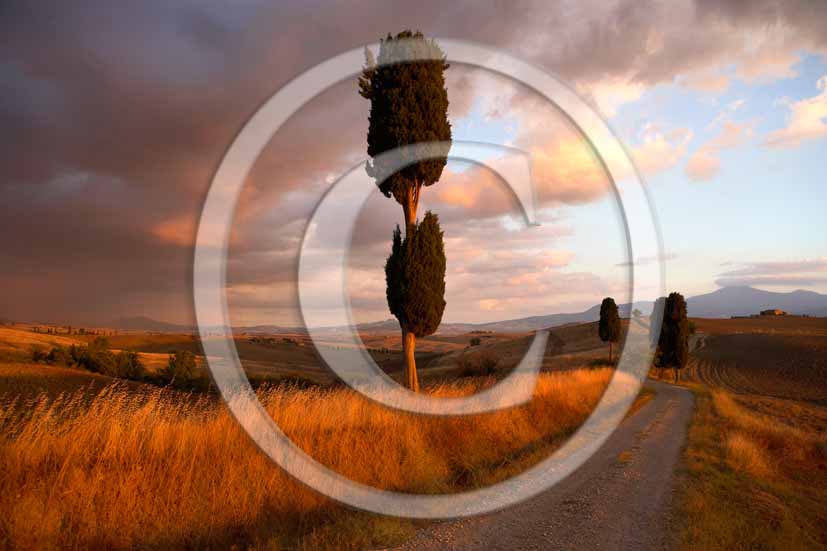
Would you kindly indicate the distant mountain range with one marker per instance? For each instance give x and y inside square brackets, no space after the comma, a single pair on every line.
[723,303]
[144,323]
[745,301]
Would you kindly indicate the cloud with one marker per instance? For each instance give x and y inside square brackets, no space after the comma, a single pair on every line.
[660,150]
[779,267]
[179,230]
[781,281]
[113,122]
[807,120]
[705,163]
[610,93]
[714,82]
[642,260]
[806,272]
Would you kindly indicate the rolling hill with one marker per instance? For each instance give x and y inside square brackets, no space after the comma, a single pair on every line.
[722,303]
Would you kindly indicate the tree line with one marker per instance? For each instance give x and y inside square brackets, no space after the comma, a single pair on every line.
[98,357]
[672,343]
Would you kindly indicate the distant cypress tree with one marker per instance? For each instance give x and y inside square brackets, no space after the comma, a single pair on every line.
[673,345]
[415,278]
[656,332]
[409,105]
[609,325]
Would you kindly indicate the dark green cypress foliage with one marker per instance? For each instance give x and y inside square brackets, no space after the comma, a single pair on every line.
[394,279]
[673,345]
[656,332]
[656,321]
[424,269]
[415,277]
[609,325]
[408,105]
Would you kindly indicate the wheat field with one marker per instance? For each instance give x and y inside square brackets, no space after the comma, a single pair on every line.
[158,469]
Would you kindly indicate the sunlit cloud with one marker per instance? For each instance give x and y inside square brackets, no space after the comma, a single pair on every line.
[807,120]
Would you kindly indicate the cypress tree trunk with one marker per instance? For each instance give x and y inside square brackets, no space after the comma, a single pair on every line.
[677,377]
[409,207]
[408,348]
[409,339]
[610,351]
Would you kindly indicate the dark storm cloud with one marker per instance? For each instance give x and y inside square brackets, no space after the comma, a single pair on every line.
[113,116]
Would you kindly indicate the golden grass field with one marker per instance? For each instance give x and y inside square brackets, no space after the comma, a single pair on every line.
[91,462]
[756,456]
[125,466]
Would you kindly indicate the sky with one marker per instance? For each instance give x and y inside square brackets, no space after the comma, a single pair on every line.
[114,117]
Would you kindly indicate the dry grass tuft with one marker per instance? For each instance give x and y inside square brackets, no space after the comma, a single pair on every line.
[791,445]
[745,454]
[755,481]
[159,469]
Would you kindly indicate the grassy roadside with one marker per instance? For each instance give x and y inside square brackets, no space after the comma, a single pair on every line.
[358,530]
[754,479]
[155,469]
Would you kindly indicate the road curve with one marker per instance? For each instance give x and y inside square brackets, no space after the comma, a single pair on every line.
[619,499]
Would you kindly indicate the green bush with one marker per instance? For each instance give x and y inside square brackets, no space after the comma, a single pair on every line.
[59,355]
[481,364]
[180,369]
[97,357]
[38,354]
[128,366]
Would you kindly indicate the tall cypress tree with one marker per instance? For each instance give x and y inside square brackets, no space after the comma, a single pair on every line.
[609,325]
[409,105]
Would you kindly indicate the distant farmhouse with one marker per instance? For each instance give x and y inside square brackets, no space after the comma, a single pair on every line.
[771,312]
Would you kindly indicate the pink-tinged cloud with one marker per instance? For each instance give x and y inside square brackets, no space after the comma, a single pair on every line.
[705,163]
[710,81]
[703,166]
[807,120]
[785,273]
[179,230]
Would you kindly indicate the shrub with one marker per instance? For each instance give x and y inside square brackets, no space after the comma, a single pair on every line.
[60,355]
[128,365]
[481,364]
[38,354]
[97,357]
[180,367]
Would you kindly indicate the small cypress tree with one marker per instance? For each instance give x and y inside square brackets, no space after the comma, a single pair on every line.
[415,278]
[656,332]
[673,345]
[609,325]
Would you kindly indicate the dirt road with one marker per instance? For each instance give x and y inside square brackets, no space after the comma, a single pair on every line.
[619,499]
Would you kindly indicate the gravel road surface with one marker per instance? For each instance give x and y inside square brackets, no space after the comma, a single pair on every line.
[620,499]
